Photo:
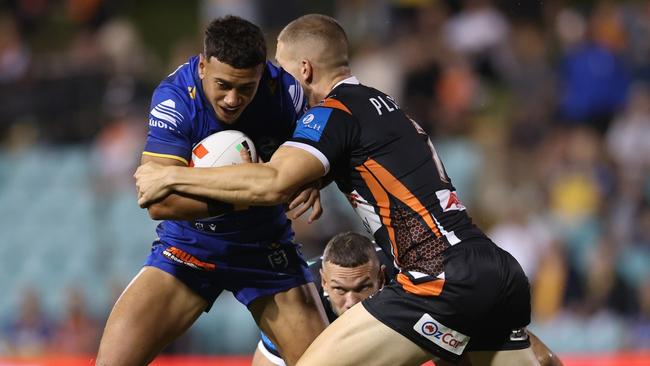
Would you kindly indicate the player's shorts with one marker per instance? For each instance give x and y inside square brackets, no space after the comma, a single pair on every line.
[251,271]
[484,304]
[269,350]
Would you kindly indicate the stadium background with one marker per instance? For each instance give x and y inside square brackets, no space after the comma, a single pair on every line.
[540,111]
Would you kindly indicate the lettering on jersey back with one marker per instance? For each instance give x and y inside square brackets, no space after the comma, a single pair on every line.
[383,104]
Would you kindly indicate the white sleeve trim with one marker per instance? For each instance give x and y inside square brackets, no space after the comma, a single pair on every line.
[270,356]
[312,150]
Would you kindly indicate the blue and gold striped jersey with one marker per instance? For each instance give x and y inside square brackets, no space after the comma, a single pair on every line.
[180,117]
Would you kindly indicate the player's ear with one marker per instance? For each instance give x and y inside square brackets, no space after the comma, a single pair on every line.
[382,275]
[306,71]
[202,61]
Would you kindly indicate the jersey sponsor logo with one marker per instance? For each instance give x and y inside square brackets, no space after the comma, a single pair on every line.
[444,337]
[191,90]
[187,259]
[313,124]
[166,112]
[308,119]
[449,200]
[159,124]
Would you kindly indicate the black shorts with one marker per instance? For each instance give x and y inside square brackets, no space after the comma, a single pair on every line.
[484,304]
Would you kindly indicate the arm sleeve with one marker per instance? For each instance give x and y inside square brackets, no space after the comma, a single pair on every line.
[169,126]
[326,133]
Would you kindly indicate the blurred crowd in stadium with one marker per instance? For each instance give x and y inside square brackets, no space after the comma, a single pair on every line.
[540,111]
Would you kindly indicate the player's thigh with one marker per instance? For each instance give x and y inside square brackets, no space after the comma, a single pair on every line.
[544,355]
[291,319]
[520,357]
[153,310]
[357,338]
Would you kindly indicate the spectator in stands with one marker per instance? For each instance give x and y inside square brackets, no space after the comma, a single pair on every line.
[77,333]
[30,333]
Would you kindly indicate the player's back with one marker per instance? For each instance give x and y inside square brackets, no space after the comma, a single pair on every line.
[391,173]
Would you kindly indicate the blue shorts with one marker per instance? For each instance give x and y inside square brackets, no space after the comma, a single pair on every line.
[276,268]
[270,351]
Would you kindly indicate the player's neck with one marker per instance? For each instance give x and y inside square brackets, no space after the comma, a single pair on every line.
[322,89]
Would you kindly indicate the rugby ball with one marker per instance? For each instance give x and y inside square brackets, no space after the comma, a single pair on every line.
[221,149]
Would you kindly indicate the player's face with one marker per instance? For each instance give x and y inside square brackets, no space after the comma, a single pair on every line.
[348,286]
[228,89]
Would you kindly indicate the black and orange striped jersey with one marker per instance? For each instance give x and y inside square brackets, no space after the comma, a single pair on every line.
[390,171]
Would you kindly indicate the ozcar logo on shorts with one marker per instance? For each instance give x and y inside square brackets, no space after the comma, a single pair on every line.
[441,335]
[429,328]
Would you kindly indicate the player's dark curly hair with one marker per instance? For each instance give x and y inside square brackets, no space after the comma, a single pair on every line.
[349,250]
[235,41]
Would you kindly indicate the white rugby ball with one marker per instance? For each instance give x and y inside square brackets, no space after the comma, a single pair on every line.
[221,149]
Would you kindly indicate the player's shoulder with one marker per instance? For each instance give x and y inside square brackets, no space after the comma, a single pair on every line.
[181,85]
[282,85]
[330,107]
[175,99]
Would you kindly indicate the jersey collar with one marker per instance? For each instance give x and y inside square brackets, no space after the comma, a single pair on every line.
[351,80]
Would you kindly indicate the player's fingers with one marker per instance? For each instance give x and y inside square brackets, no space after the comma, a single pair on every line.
[316,209]
[313,196]
[299,211]
[301,198]
[142,202]
[245,155]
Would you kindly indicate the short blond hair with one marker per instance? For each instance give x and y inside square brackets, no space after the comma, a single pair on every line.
[319,36]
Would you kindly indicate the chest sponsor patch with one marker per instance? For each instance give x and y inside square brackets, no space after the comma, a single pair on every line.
[312,124]
[441,335]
